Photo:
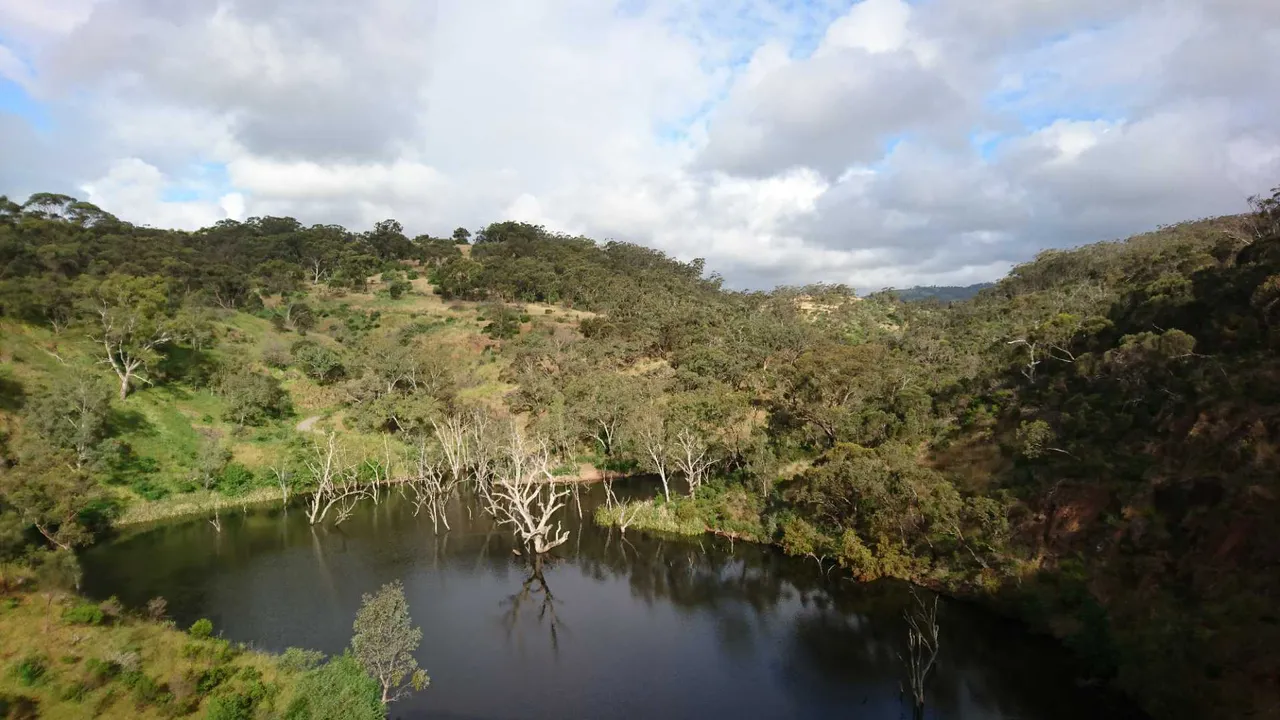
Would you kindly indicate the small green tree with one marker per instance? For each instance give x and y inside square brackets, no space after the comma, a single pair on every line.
[252,398]
[301,317]
[201,629]
[504,322]
[50,494]
[318,362]
[385,640]
[72,415]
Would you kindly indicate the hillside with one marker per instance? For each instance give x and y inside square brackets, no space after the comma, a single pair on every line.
[1088,444]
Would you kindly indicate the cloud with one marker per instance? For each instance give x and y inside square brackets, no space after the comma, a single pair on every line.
[871,78]
[877,143]
[139,186]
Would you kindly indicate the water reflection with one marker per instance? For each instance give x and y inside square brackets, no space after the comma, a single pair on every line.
[534,601]
[611,625]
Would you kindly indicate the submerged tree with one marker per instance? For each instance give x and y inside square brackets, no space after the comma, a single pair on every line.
[523,494]
[922,646]
[385,640]
[333,482]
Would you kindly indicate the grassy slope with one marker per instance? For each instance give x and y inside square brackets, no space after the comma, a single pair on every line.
[170,658]
[164,423]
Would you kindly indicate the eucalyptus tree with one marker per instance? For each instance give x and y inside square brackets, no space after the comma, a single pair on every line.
[385,641]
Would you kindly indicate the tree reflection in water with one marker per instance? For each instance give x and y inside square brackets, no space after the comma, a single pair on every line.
[534,599]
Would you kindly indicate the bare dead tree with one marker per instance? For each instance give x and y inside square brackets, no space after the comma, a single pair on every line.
[1032,361]
[922,645]
[627,515]
[380,470]
[577,497]
[525,496]
[482,449]
[454,436]
[692,457]
[610,499]
[284,480]
[335,483]
[432,487]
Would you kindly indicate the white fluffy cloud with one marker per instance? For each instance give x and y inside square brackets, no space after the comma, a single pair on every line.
[877,142]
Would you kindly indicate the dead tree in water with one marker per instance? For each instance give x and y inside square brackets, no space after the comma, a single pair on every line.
[284,480]
[432,487]
[454,436]
[335,484]
[381,470]
[922,646]
[523,494]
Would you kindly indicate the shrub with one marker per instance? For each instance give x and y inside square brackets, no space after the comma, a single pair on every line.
[230,706]
[146,691]
[99,672]
[337,689]
[317,362]
[504,323]
[149,489]
[157,608]
[276,356]
[209,680]
[236,479]
[300,660]
[19,707]
[83,614]
[31,670]
[398,288]
[252,398]
[111,608]
[75,692]
[126,660]
[201,628]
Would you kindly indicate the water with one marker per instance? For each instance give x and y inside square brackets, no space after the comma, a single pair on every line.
[608,627]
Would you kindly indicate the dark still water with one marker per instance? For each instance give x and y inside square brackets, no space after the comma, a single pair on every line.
[641,627]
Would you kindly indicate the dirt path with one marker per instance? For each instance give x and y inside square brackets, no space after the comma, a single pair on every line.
[309,424]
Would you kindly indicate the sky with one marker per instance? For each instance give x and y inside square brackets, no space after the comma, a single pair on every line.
[875,143]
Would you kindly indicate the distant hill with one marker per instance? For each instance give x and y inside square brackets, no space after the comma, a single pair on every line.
[942,293]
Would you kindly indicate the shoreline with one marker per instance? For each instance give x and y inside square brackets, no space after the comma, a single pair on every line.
[189,504]
[200,502]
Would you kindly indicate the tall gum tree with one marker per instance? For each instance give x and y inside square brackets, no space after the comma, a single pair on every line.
[130,318]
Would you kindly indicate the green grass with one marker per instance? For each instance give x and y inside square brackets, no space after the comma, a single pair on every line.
[165,425]
[651,515]
[124,667]
[192,503]
[728,510]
